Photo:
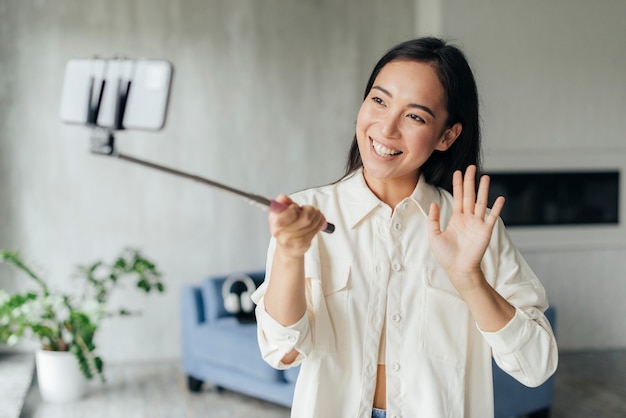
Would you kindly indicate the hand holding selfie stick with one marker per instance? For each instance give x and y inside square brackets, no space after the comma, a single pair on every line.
[116,94]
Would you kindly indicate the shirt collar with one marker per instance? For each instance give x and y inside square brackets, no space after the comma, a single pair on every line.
[360,201]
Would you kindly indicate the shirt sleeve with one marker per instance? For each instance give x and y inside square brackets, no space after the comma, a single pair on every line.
[526,346]
[276,340]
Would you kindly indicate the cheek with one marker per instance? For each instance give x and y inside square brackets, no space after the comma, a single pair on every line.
[360,119]
[423,142]
[365,117]
[361,125]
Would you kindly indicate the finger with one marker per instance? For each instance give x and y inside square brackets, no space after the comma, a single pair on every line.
[310,217]
[457,191]
[469,189]
[324,226]
[494,214]
[287,216]
[310,220]
[482,198]
[434,228]
[282,221]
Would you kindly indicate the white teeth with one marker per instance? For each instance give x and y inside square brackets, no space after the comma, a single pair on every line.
[384,151]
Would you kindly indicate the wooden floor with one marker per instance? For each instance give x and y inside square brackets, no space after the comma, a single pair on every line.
[588,385]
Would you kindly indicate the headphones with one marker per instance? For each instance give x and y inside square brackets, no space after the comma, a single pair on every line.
[234,303]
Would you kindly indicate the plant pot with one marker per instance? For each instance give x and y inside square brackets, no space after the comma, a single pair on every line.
[59,377]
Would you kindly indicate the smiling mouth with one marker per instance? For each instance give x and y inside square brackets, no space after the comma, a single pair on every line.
[382,150]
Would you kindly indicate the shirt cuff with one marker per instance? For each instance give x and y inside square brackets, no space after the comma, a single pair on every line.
[283,338]
[510,337]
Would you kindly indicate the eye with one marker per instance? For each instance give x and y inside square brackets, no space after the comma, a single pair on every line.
[416,118]
[378,100]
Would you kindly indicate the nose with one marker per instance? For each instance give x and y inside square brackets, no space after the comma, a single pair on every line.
[390,125]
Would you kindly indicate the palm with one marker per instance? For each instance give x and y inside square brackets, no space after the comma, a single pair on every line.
[463,243]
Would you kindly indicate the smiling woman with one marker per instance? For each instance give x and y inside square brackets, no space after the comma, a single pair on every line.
[399,311]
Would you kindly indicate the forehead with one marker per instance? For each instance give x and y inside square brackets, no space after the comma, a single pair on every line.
[412,80]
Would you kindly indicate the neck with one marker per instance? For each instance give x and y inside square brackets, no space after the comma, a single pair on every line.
[391,191]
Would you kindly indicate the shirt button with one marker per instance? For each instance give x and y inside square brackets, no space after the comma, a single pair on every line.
[378,269]
[405,205]
[395,367]
[397,226]
[396,317]
[291,338]
[397,267]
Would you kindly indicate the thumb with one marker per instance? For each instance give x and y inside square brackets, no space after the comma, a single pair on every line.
[284,199]
[434,228]
[281,203]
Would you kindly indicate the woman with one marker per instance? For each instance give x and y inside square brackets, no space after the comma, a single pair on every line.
[400,310]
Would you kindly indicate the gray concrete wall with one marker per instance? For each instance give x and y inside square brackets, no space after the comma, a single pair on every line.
[264,98]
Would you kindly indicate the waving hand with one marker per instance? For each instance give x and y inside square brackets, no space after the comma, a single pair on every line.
[460,248]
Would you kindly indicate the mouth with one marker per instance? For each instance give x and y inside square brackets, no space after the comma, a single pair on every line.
[382,150]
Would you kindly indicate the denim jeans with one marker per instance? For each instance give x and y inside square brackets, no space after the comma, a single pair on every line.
[379,413]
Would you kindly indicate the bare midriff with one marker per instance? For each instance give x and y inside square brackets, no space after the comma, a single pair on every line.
[380,395]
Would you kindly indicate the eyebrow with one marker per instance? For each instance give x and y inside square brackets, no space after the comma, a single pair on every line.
[418,106]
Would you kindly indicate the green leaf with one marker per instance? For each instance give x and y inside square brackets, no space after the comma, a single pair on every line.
[75,332]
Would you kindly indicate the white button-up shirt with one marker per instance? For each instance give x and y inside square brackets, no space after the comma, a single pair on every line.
[378,266]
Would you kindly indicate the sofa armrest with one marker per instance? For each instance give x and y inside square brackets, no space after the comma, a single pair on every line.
[192,304]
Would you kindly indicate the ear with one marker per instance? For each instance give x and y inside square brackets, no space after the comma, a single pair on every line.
[449,136]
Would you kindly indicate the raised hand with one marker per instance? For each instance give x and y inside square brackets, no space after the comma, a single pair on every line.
[460,248]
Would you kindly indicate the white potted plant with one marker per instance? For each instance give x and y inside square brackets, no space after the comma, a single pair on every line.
[65,323]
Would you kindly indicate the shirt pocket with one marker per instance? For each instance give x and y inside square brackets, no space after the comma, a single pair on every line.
[333,315]
[445,321]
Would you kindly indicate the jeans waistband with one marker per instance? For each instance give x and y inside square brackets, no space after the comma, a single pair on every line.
[379,413]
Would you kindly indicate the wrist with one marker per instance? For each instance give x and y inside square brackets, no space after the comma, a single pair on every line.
[467,281]
[288,254]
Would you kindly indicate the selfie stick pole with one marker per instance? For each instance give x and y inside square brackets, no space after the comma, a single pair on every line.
[103,143]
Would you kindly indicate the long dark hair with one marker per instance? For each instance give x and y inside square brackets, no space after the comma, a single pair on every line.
[461,96]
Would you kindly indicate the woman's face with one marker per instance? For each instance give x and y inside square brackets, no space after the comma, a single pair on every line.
[402,121]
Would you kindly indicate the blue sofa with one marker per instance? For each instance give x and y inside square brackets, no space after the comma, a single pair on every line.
[220,348]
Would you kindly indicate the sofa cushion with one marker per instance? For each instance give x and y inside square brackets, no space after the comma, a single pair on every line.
[233,345]
[291,374]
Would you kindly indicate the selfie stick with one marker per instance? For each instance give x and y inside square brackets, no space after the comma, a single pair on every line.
[103,142]
[105,95]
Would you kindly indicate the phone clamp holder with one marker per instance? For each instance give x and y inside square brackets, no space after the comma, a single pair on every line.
[103,142]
